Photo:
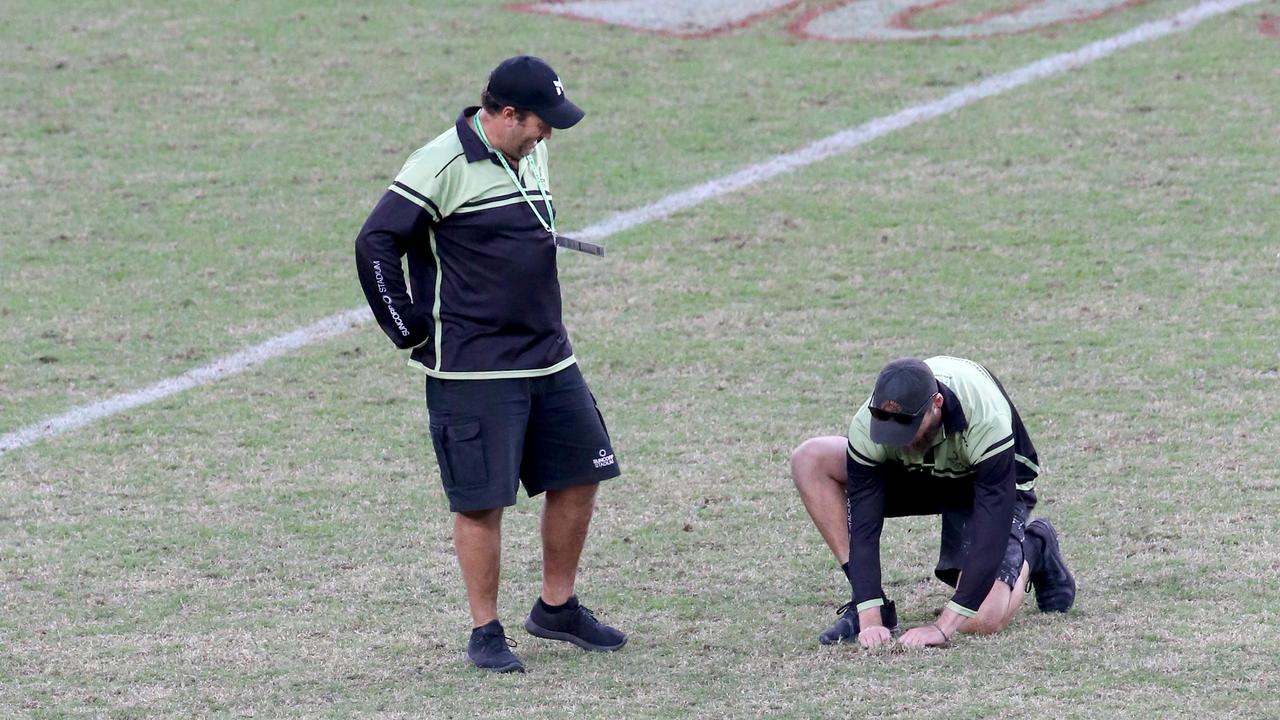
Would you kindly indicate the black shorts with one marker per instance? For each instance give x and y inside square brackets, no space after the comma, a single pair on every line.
[923,494]
[492,435]
[955,545]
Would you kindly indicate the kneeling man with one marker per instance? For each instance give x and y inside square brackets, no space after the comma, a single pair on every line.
[937,437]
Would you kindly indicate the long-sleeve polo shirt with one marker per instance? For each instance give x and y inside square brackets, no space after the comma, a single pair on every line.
[982,442]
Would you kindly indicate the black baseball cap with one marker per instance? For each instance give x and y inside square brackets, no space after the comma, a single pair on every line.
[527,83]
[900,401]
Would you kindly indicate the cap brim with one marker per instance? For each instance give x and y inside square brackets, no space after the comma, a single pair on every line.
[895,434]
[562,116]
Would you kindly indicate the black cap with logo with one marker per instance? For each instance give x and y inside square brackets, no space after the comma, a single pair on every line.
[527,83]
[900,400]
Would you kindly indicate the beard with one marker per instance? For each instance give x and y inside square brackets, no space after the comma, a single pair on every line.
[924,442]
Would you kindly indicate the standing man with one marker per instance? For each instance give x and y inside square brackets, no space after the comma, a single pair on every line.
[473,211]
[937,437]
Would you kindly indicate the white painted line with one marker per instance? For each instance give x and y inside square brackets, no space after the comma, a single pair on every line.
[217,370]
[847,140]
[839,143]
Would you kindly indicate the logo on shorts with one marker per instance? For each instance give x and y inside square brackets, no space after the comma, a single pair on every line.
[605,459]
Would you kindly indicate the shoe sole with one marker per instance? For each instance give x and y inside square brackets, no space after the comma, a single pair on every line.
[516,666]
[1050,537]
[537,630]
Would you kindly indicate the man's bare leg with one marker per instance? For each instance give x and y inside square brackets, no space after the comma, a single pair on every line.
[477,539]
[999,607]
[819,473]
[565,518]
[994,615]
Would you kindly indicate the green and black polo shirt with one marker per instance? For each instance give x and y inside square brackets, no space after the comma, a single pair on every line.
[483,298]
[982,441]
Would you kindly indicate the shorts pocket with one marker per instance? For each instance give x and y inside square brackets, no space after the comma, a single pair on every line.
[595,405]
[460,454]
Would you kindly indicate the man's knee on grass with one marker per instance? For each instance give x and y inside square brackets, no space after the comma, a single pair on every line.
[994,614]
[984,624]
[813,459]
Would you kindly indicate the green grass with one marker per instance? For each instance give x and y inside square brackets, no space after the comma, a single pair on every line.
[189,181]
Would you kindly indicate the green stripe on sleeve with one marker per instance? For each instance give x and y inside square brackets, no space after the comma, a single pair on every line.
[423,202]
[998,444]
[1027,462]
[868,604]
[860,458]
[995,450]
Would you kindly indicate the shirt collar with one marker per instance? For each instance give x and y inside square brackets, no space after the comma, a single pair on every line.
[953,419]
[472,146]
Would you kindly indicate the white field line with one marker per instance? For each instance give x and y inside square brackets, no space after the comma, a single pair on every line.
[839,143]
[218,369]
[846,140]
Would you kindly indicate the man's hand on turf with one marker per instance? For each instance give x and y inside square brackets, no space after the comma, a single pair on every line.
[874,633]
[874,636]
[924,636]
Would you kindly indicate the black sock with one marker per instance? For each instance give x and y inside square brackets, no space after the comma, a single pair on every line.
[570,604]
[845,568]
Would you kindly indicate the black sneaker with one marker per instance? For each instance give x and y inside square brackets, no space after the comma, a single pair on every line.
[846,628]
[1055,586]
[488,649]
[574,624]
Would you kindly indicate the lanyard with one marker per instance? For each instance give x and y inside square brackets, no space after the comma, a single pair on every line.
[549,224]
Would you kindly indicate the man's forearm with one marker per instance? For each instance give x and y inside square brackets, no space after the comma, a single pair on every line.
[378,249]
[950,621]
[865,498]
[994,497]
[871,617]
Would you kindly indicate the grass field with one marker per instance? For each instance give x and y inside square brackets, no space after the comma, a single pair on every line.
[182,180]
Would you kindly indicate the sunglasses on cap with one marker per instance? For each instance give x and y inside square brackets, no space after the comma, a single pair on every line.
[902,418]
